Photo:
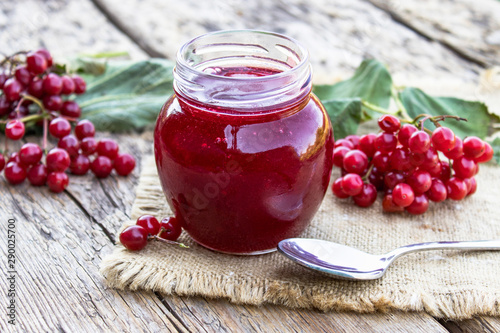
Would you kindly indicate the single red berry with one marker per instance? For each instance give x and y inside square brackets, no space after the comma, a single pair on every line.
[400,159]
[430,159]
[355,161]
[53,102]
[337,189]
[15,173]
[420,181]
[456,188]
[101,166]
[35,88]
[69,143]
[108,148]
[403,195]
[52,84]
[46,54]
[30,154]
[486,156]
[170,228]
[419,205]
[464,167]
[59,127]
[71,109]
[381,161]
[471,185]
[437,192]
[352,184]
[14,129]
[367,196]
[124,164]
[405,133]
[376,178]
[354,140]
[84,129]
[36,63]
[37,175]
[88,146]
[435,170]
[457,150]
[338,156]
[473,147]
[12,89]
[445,171]
[134,237]
[68,85]
[389,206]
[2,162]
[23,75]
[150,223]
[57,181]
[80,165]
[389,124]
[343,143]
[80,85]
[392,178]
[443,139]
[419,142]
[57,160]
[385,142]
[367,144]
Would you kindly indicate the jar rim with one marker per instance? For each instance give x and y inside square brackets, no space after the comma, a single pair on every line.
[303,57]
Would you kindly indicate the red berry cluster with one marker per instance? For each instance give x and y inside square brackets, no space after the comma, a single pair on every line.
[409,165]
[31,92]
[147,228]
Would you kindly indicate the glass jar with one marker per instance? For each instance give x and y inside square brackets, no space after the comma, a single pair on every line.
[243,148]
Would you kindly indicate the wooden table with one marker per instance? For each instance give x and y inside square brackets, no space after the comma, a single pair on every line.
[62,238]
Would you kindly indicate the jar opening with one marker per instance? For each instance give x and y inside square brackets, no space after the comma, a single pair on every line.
[243,71]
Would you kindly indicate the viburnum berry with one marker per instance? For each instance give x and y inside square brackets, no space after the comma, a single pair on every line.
[443,139]
[381,161]
[354,140]
[400,159]
[392,178]
[338,156]
[37,175]
[52,84]
[457,150]
[84,129]
[420,181]
[355,161]
[108,148]
[343,143]
[464,167]
[88,146]
[337,189]
[36,63]
[12,89]
[79,165]
[170,229]
[367,144]
[101,166]
[473,147]
[59,127]
[389,206]
[124,164]
[385,142]
[46,54]
[35,88]
[14,129]
[68,85]
[456,188]
[150,223]
[80,85]
[23,75]
[71,109]
[53,102]
[405,133]
[389,123]
[366,197]
[437,192]
[70,144]
[403,195]
[57,160]
[419,142]
[419,205]
[134,237]
[30,154]
[486,156]
[57,181]
[14,173]
[352,184]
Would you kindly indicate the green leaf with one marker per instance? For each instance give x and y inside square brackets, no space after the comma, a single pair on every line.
[129,95]
[495,144]
[371,82]
[479,120]
[345,115]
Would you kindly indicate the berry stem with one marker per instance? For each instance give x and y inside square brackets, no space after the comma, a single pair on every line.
[45,130]
[156,238]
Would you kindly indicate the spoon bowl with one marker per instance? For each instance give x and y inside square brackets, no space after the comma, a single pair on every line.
[345,262]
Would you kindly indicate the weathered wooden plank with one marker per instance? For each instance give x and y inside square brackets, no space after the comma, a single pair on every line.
[202,315]
[477,325]
[471,28]
[338,34]
[58,284]
[66,28]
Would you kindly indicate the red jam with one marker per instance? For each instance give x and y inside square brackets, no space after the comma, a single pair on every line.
[240,182]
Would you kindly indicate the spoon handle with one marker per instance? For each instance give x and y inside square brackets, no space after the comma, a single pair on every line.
[493,244]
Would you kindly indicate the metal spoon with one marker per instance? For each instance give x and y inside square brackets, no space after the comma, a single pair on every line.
[345,262]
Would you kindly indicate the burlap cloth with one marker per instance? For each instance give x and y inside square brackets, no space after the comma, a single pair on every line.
[450,284]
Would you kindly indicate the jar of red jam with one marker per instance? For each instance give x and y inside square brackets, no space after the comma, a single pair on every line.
[243,148]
